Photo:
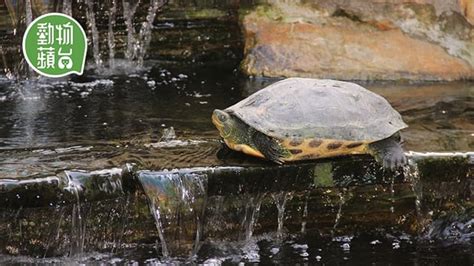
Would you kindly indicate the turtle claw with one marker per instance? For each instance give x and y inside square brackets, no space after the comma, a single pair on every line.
[389,152]
[278,161]
[394,161]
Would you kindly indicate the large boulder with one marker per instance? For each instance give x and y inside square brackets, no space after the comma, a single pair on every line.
[360,39]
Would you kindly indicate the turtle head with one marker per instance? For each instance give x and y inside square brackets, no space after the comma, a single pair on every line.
[230,128]
[223,122]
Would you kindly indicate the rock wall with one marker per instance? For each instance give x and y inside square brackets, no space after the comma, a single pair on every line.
[361,39]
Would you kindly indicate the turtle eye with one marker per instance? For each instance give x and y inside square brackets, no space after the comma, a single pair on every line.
[222,117]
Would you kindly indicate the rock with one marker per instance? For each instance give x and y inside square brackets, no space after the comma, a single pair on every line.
[467,8]
[374,40]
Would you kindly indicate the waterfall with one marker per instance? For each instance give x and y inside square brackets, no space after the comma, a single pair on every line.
[177,204]
[28,12]
[67,7]
[339,210]
[305,215]
[252,210]
[155,211]
[94,32]
[411,171]
[128,14]
[392,194]
[146,29]
[137,46]
[280,202]
[110,35]
[77,224]
[28,19]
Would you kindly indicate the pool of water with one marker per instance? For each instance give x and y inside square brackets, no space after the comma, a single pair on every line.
[122,118]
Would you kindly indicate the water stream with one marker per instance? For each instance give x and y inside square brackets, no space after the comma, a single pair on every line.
[110,34]
[280,200]
[252,211]
[155,211]
[91,22]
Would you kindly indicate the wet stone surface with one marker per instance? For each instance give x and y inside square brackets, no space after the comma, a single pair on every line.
[331,211]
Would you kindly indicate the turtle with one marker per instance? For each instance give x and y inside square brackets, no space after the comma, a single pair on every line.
[305,119]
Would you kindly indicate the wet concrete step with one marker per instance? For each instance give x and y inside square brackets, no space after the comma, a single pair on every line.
[233,174]
[109,210]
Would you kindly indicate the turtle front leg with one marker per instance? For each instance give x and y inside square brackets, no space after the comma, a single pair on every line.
[389,152]
[268,146]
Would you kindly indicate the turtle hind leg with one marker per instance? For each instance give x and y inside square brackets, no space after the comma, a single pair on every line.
[389,152]
[268,146]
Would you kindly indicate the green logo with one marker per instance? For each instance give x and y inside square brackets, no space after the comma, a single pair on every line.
[55,45]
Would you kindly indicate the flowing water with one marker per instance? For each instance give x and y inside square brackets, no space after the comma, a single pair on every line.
[123,164]
[100,123]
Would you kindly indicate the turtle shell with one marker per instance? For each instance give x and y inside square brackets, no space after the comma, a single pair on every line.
[319,108]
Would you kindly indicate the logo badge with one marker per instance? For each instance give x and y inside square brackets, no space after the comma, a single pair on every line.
[55,45]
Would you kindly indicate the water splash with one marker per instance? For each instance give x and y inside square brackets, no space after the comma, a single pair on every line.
[137,46]
[124,215]
[280,202]
[67,7]
[28,12]
[178,204]
[252,210]
[199,229]
[28,19]
[90,14]
[412,173]
[77,224]
[304,215]
[110,34]
[128,13]
[155,211]
[392,194]
[145,31]
[57,231]
[169,134]
[342,201]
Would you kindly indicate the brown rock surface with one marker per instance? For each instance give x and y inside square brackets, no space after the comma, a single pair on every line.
[467,8]
[383,42]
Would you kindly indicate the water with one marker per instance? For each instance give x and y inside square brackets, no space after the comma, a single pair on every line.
[146,30]
[67,7]
[280,202]
[99,123]
[109,135]
[250,218]
[110,34]
[90,13]
[155,211]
